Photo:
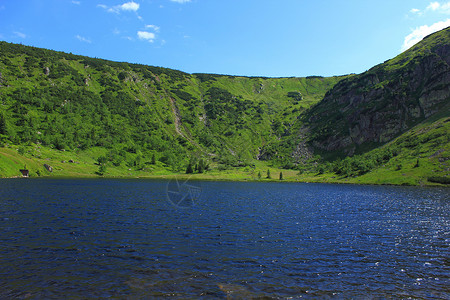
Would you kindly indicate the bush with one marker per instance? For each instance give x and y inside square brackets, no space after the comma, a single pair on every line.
[21,150]
[320,169]
[439,179]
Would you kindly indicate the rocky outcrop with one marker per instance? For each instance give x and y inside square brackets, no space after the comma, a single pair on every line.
[380,104]
[303,152]
[48,167]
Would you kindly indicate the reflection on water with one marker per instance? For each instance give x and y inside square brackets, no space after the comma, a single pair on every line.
[110,238]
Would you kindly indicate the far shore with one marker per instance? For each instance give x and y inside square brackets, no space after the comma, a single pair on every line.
[218,178]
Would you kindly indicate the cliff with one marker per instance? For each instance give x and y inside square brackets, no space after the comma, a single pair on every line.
[376,106]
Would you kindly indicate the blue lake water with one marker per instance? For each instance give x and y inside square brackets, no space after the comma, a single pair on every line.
[79,238]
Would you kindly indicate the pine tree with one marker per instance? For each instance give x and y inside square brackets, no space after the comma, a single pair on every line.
[268,174]
[259,175]
[3,129]
[201,166]
[189,169]
[153,159]
[101,170]
[281,175]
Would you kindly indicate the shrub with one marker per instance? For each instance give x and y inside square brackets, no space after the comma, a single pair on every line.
[439,179]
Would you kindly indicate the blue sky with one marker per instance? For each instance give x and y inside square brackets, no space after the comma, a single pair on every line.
[275,38]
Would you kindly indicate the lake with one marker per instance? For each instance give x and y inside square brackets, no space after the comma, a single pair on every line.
[77,238]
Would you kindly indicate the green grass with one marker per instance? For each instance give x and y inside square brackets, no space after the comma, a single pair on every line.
[128,113]
[106,112]
[423,155]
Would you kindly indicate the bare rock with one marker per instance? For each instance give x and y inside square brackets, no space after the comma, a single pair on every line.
[48,167]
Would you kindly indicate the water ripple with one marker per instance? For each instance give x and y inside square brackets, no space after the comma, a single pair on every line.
[121,238]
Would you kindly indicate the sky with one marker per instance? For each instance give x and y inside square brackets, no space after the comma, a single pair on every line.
[273,38]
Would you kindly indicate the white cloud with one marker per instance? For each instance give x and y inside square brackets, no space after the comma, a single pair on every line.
[445,8]
[128,6]
[145,35]
[82,39]
[420,32]
[154,27]
[76,2]
[433,6]
[438,7]
[181,1]
[20,34]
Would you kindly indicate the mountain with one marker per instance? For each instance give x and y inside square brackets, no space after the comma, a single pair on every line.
[142,120]
[69,102]
[372,108]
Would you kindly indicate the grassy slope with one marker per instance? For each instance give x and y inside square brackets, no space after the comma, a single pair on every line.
[429,143]
[248,131]
[174,107]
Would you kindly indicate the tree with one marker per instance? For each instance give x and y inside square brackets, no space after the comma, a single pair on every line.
[122,76]
[268,174]
[259,175]
[102,160]
[3,129]
[281,175]
[153,159]
[101,170]
[189,169]
[201,166]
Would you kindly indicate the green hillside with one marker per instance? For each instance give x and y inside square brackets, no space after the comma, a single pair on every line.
[372,108]
[133,113]
[91,117]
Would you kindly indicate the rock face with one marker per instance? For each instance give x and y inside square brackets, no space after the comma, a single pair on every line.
[378,105]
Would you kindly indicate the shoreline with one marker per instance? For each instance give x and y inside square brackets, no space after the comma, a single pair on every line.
[224,179]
